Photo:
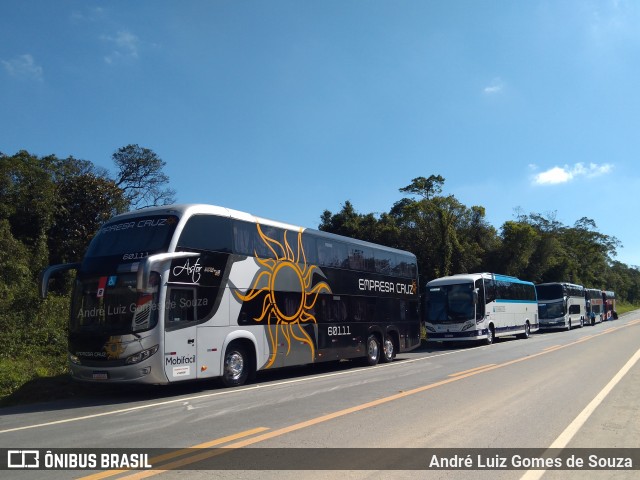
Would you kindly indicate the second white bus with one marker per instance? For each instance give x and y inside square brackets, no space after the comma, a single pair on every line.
[561,305]
[480,306]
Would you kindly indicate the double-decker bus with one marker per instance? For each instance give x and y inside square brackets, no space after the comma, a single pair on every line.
[609,305]
[196,291]
[594,305]
[480,306]
[561,305]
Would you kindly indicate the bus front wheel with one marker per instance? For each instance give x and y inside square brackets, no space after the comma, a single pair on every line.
[373,350]
[490,335]
[236,368]
[527,331]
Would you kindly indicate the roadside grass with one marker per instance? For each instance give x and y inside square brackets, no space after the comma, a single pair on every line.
[44,385]
[32,379]
[33,350]
[622,307]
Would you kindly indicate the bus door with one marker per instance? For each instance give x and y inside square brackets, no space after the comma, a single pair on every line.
[180,339]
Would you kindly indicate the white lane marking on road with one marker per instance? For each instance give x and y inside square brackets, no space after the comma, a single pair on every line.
[565,437]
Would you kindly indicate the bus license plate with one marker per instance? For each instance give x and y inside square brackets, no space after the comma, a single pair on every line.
[100,375]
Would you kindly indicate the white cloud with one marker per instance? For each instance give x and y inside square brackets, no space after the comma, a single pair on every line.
[496,86]
[23,66]
[568,173]
[87,15]
[613,22]
[125,46]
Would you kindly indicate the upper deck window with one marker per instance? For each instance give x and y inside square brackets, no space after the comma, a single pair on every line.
[148,234]
[207,232]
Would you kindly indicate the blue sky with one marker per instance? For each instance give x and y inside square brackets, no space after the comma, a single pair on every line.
[285,108]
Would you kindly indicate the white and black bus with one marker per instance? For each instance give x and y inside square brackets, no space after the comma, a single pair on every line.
[561,305]
[480,306]
[197,291]
[594,305]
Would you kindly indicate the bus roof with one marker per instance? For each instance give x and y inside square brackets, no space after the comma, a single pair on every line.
[472,277]
[189,209]
[566,284]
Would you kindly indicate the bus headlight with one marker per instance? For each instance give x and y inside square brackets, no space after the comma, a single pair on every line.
[140,356]
[74,359]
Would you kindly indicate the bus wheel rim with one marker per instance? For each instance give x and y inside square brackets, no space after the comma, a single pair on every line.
[388,348]
[235,365]
[373,349]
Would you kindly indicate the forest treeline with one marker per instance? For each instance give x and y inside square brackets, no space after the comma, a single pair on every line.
[50,208]
[449,237]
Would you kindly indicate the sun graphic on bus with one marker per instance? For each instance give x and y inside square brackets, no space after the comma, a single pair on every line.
[113,348]
[286,283]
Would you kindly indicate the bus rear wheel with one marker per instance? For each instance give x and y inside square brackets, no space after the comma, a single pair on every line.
[236,368]
[373,350]
[527,331]
[388,350]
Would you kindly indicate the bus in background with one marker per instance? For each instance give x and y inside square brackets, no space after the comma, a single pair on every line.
[561,305]
[609,305]
[184,292]
[594,305]
[480,306]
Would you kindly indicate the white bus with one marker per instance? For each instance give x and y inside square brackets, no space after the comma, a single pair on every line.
[196,291]
[561,305]
[480,306]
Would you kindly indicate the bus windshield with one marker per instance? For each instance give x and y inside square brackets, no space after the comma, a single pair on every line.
[551,310]
[133,238]
[450,303]
[549,292]
[110,305]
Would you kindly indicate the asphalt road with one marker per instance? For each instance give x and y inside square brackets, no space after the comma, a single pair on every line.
[577,389]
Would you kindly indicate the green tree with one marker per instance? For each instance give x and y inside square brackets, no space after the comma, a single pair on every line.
[479,239]
[86,201]
[447,236]
[519,241]
[141,178]
[425,187]
[50,208]
[16,274]
[28,196]
[346,222]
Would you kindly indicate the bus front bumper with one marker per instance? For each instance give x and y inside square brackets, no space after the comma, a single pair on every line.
[145,372]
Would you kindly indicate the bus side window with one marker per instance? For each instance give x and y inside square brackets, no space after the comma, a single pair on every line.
[309,249]
[574,309]
[385,262]
[207,232]
[361,258]
[332,254]
[181,307]
[490,291]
